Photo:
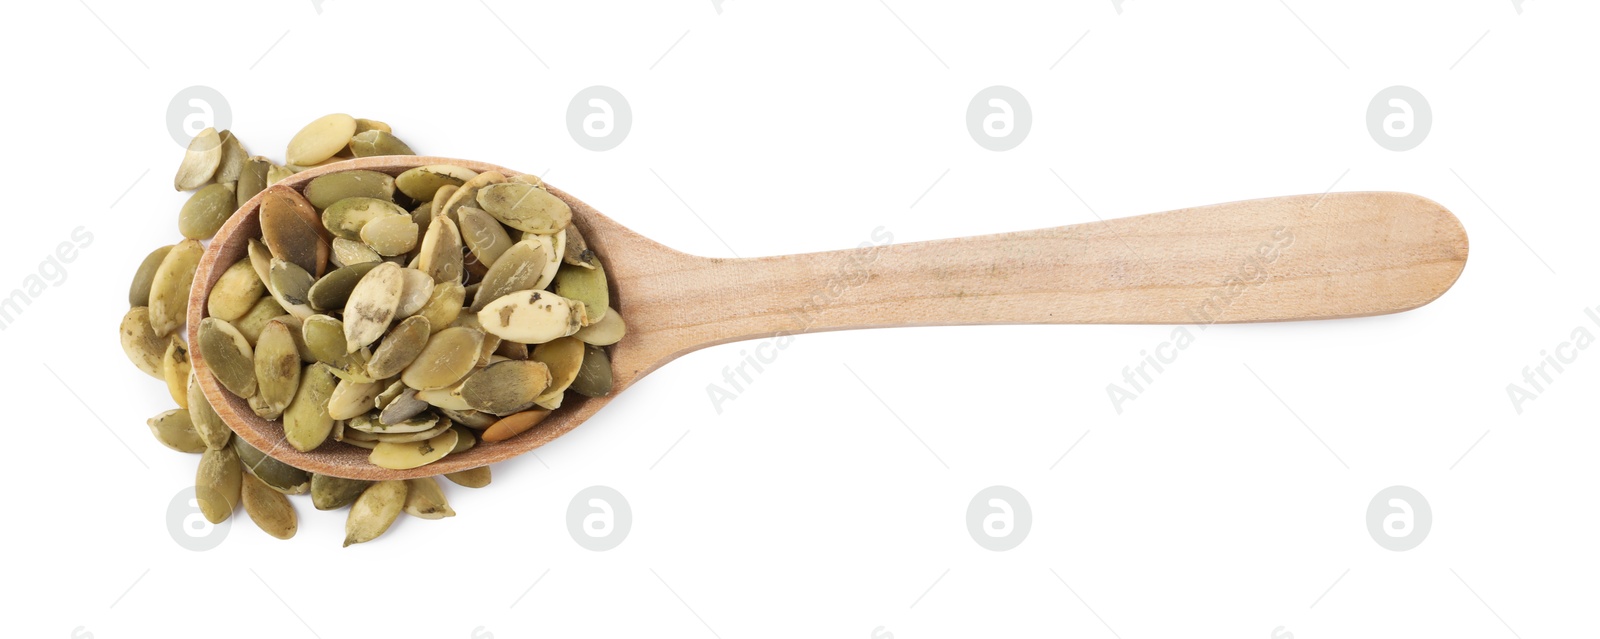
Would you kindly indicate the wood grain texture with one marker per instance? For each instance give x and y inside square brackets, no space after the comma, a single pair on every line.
[1290,258]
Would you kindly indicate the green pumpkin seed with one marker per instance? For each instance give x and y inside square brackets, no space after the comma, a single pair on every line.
[390,235]
[217,482]
[139,289]
[324,338]
[333,290]
[483,235]
[587,285]
[447,398]
[504,387]
[372,305]
[512,350]
[531,317]
[275,474]
[525,207]
[374,142]
[440,254]
[292,230]
[447,357]
[290,285]
[207,423]
[346,217]
[605,332]
[471,478]
[254,320]
[367,423]
[469,418]
[141,343]
[174,430]
[175,370]
[408,455]
[518,269]
[564,357]
[235,292]
[416,288]
[422,183]
[206,211]
[594,377]
[276,174]
[577,251]
[403,407]
[401,347]
[466,194]
[234,157]
[229,355]
[325,190]
[260,259]
[277,369]
[252,180]
[200,161]
[306,423]
[323,138]
[350,399]
[169,289]
[353,252]
[374,511]
[440,425]
[465,439]
[271,511]
[443,305]
[425,500]
[331,493]
[363,125]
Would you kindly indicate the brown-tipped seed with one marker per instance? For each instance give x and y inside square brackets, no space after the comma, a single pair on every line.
[577,251]
[330,493]
[235,292]
[200,161]
[217,482]
[471,478]
[292,230]
[372,306]
[321,139]
[229,356]
[169,289]
[306,423]
[277,369]
[271,511]
[175,370]
[175,430]
[275,474]
[207,423]
[513,425]
[141,343]
[374,511]
[525,207]
[139,290]
[206,210]
[425,500]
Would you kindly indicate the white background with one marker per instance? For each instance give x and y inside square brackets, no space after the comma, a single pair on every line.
[807,507]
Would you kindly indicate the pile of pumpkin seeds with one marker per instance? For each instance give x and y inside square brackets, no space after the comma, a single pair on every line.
[394,313]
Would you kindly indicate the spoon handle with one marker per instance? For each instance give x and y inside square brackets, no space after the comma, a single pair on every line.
[1286,258]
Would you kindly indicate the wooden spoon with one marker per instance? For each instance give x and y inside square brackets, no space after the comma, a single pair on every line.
[1288,258]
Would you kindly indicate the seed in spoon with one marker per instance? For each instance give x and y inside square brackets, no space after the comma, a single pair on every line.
[372,305]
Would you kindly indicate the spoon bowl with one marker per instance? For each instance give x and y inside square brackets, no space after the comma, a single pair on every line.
[1303,257]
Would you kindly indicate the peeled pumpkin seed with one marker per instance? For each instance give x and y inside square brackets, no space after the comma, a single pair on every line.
[415,290]
[175,370]
[290,285]
[375,142]
[512,350]
[372,305]
[229,356]
[390,235]
[275,474]
[323,138]
[605,332]
[346,217]
[405,456]
[174,430]
[469,418]
[324,338]
[325,190]
[467,193]
[276,174]
[363,125]
[424,499]
[518,269]
[217,482]
[277,370]
[471,478]
[200,161]
[554,247]
[333,290]
[401,347]
[169,289]
[350,399]
[374,511]
[465,439]
[440,254]
[207,423]
[403,407]
[139,290]
[447,398]
[525,207]
[252,179]
[141,343]
[563,357]
[503,387]
[330,493]
[443,305]
[206,210]
[594,377]
[531,317]
[587,285]
[260,259]
[306,422]
[447,357]
[513,425]
[353,252]
[235,292]
[255,319]
[369,423]
[292,230]
[577,251]
[271,511]
[482,234]
[423,182]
